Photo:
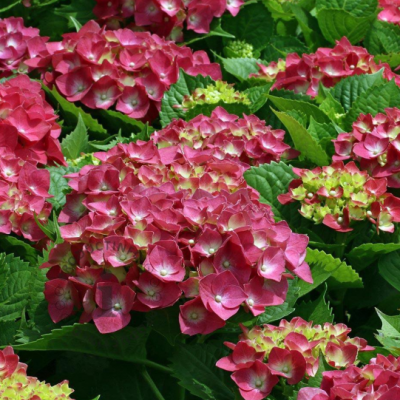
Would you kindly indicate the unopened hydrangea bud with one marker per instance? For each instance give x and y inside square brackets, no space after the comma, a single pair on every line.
[239,49]
[218,92]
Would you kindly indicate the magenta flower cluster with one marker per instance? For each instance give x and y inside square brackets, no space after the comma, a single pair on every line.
[228,137]
[326,66]
[17,44]
[378,380]
[375,143]
[390,12]
[131,70]
[291,350]
[28,126]
[165,17]
[149,227]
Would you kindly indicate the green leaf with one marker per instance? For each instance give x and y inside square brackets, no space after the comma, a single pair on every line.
[322,266]
[389,334]
[7,332]
[165,322]
[173,98]
[10,244]
[281,46]
[345,277]
[241,68]
[348,90]
[80,10]
[335,24]
[355,7]
[383,38]
[14,295]
[76,142]
[317,311]
[311,110]
[271,180]
[254,25]
[323,134]
[258,96]
[76,23]
[303,141]
[364,255]
[70,113]
[116,121]
[389,268]
[194,367]
[59,185]
[374,100]
[125,345]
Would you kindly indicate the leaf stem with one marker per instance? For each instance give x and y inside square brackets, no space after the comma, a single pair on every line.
[157,366]
[152,385]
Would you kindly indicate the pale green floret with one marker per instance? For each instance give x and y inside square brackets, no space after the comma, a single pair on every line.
[240,49]
[218,92]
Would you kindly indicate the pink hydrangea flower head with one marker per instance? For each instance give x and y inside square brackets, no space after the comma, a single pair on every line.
[291,350]
[164,17]
[127,70]
[326,66]
[378,380]
[150,226]
[340,195]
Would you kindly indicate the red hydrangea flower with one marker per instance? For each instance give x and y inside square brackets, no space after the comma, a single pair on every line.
[375,143]
[18,44]
[228,136]
[378,380]
[326,66]
[340,194]
[390,12]
[126,69]
[166,225]
[165,17]
[290,350]
[23,193]
[28,126]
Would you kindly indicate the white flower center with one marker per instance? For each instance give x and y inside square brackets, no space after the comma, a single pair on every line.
[226,264]
[191,241]
[194,315]
[264,268]
[340,220]
[218,298]
[285,369]
[117,306]
[163,272]
[258,383]
[310,195]
[250,302]
[151,293]
[211,250]
[332,193]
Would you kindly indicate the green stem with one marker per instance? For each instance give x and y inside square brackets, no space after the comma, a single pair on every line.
[154,365]
[152,385]
[182,393]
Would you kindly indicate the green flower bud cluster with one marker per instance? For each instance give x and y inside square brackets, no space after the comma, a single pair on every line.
[239,49]
[213,94]
[339,194]
[22,387]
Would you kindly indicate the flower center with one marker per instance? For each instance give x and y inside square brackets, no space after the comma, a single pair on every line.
[250,302]
[211,250]
[218,298]
[340,220]
[104,188]
[134,102]
[163,272]
[310,195]
[117,306]
[264,268]
[194,316]
[332,193]
[151,92]
[258,383]
[226,264]
[151,293]
[131,64]
[285,369]
[103,96]
[191,241]
[122,257]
